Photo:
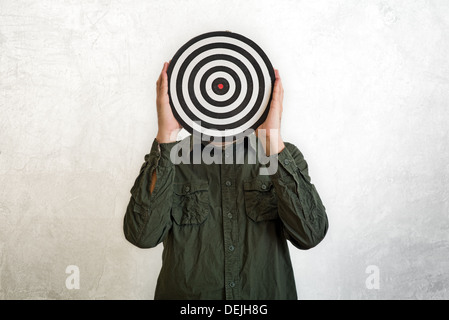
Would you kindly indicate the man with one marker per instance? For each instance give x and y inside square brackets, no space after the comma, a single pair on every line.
[224,226]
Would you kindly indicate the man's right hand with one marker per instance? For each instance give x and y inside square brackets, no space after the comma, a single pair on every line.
[168,125]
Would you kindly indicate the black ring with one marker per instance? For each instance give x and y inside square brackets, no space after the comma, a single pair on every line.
[219,86]
[204,90]
[244,53]
[237,93]
[192,94]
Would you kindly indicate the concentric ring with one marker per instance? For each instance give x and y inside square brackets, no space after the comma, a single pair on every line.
[220,84]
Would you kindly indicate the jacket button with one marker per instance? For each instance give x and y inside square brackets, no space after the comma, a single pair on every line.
[228,183]
[229,215]
[263,187]
[286,162]
[231,248]
[232,284]
[187,188]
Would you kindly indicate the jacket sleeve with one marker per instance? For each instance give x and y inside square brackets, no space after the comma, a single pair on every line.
[147,218]
[299,205]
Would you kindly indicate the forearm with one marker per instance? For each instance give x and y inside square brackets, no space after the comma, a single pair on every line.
[147,219]
[167,135]
[299,205]
[271,141]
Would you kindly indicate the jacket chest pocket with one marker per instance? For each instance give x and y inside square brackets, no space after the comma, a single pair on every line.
[190,203]
[260,200]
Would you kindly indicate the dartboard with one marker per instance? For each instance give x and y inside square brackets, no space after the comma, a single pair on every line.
[220,84]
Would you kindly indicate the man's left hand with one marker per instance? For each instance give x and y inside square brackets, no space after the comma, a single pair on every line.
[269,132]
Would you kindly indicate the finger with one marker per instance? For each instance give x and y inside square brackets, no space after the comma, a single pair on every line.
[281,88]
[277,89]
[277,76]
[281,96]
[164,79]
[164,70]
[158,82]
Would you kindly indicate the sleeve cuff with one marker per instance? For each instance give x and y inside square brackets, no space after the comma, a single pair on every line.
[162,152]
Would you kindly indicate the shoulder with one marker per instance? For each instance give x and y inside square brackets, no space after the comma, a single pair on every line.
[293,150]
[298,157]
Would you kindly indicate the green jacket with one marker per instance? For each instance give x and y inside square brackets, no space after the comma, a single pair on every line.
[225,226]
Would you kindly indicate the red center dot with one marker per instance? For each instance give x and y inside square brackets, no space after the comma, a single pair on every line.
[220,86]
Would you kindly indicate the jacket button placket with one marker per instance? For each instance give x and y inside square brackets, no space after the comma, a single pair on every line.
[230,230]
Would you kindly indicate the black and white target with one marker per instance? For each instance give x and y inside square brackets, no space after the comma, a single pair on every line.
[220,84]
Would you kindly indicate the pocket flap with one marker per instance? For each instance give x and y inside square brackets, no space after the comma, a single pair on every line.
[258,185]
[190,203]
[186,188]
[138,208]
[260,200]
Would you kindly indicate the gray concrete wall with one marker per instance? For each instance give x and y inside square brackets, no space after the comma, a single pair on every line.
[366,100]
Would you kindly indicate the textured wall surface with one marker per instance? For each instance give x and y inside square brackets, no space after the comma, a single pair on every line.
[366,100]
